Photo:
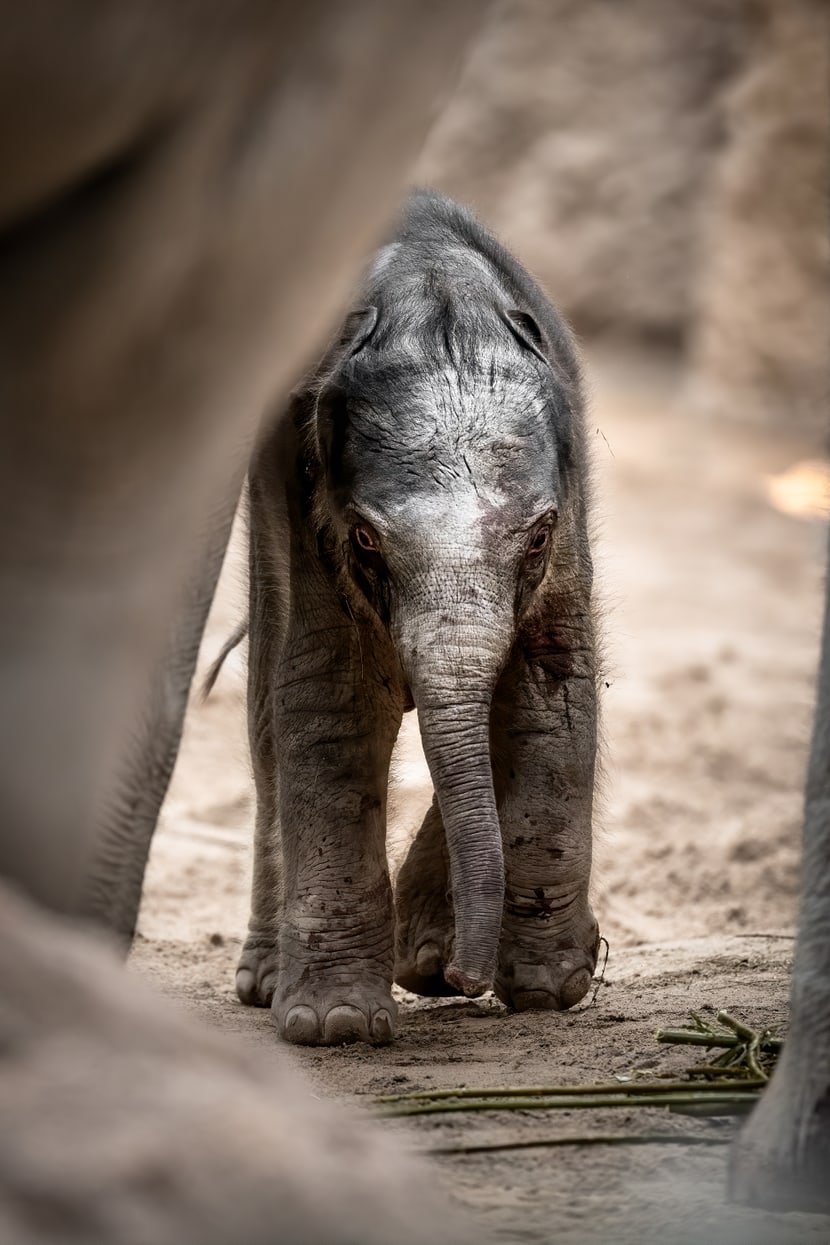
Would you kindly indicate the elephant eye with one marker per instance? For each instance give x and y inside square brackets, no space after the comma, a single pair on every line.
[365,539]
[366,547]
[540,540]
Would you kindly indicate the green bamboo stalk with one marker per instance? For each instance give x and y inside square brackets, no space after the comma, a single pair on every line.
[742,1107]
[633,1089]
[691,1037]
[700,1096]
[753,1042]
[637,1139]
[737,1026]
[716,1070]
[753,1061]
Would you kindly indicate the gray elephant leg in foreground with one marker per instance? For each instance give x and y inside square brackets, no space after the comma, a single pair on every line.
[162,232]
[112,892]
[182,207]
[124,1122]
[423,541]
[781,1159]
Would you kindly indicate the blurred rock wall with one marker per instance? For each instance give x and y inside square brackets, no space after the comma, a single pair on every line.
[661,165]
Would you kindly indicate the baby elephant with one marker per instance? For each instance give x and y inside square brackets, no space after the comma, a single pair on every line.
[418,538]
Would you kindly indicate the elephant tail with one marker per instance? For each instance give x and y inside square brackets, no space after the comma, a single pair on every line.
[230,644]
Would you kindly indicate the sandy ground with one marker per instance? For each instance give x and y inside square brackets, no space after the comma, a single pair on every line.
[711,600]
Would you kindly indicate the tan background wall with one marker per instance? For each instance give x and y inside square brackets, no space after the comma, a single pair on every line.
[662,166]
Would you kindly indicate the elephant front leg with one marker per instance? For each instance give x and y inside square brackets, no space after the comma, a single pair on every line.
[544,740]
[336,937]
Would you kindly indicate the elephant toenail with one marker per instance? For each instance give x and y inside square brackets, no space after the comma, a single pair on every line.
[301,1026]
[246,986]
[428,960]
[574,988]
[345,1024]
[382,1028]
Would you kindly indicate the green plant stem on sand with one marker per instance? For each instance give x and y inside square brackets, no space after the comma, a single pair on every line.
[616,1139]
[636,1089]
[736,1099]
[746,1050]
[689,1037]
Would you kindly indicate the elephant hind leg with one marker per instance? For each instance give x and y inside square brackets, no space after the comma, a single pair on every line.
[423,910]
[112,890]
[258,967]
[259,962]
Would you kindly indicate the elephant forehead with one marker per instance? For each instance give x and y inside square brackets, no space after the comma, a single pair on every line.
[488,437]
[490,402]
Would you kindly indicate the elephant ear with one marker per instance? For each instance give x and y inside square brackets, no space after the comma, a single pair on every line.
[357,328]
[330,409]
[330,422]
[526,330]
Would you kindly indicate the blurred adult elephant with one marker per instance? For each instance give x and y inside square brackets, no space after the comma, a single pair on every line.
[187,190]
[186,193]
[782,1158]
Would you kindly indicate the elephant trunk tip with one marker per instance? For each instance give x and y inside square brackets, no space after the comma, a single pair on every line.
[472,969]
[471,986]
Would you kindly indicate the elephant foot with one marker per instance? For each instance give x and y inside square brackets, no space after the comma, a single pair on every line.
[424,939]
[333,1014]
[336,991]
[258,970]
[781,1159]
[422,970]
[542,968]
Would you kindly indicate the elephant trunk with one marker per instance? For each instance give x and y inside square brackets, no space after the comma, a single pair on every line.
[452,680]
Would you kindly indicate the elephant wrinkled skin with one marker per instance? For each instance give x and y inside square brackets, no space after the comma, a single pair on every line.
[418,535]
